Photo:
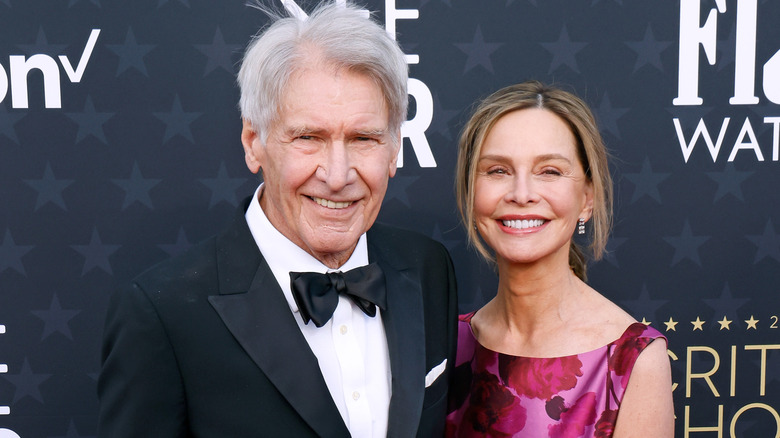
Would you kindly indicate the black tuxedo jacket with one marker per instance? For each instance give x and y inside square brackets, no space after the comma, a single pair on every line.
[205,345]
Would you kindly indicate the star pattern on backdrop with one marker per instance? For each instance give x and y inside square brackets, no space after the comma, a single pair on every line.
[223,187]
[56,319]
[441,119]
[649,50]
[96,254]
[137,188]
[26,383]
[752,323]
[72,432]
[686,245]
[177,122]
[219,54]
[767,244]
[90,122]
[182,244]
[671,325]
[131,54]
[608,116]
[399,188]
[8,122]
[478,52]
[725,304]
[725,324]
[610,253]
[564,51]
[698,324]
[644,305]
[729,182]
[42,46]
[49,188]
[11,254]
[646,182]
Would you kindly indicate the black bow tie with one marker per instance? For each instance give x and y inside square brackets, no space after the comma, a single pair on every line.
[317,295]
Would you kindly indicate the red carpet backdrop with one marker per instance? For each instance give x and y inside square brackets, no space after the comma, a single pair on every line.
[119,147]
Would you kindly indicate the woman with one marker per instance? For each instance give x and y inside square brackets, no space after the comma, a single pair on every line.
[548,356]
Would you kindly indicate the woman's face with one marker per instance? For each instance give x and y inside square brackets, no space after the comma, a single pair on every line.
[530,187]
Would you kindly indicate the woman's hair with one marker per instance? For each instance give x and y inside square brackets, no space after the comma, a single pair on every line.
[590,150]
[337,36]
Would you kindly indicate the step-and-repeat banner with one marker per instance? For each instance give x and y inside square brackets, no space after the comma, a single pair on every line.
[119,147]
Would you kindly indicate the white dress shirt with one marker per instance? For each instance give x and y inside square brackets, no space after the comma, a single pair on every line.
[351,348]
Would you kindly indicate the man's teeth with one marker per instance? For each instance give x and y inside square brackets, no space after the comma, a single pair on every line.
[331,204]
[523,224]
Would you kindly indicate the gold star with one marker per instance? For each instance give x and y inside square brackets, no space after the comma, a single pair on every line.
[670,325]
[751,323]
[697,325]
[724,323]
[645,322]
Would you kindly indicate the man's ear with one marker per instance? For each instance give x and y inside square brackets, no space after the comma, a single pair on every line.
[253,148]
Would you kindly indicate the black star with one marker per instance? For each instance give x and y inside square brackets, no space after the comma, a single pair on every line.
[564,51]
[686,245]
[94,2]
[42,46]
[608,116]
[219,54]
[441,119]
[90,122]
[96,254]
[649,50]
[729,182]
[162,2]
[26,383]
[11,254]
[612,245]
[136,188]
[646,182]
[55,319]
[768,244]
[450,243]
[7,123]
[131,54]
[726,49]
[177,121]
[725,305]
[181,244]
[644,305]
[478,52]
[72,432]
[398,188]
[49,188]
[223,188]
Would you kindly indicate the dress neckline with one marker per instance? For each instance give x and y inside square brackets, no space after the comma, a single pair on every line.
[467,320]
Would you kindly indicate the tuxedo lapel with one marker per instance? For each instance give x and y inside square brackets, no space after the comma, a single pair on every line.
[405,331]
[252,306]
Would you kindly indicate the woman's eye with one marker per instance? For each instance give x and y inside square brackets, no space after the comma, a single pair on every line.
[497,171]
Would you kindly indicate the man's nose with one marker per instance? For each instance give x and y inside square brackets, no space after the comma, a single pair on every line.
[337,166]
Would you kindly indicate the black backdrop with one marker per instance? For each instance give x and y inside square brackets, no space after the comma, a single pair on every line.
[119,146]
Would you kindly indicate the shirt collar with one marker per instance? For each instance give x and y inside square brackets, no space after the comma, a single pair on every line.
[283,256]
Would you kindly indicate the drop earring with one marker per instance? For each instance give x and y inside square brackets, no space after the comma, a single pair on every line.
[581,226]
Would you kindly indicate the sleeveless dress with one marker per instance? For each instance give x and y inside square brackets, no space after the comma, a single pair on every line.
[499,395]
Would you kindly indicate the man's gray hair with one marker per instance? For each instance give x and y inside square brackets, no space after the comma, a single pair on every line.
[335,35]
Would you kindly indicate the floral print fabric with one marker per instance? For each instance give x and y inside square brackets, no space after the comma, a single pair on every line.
[498,395]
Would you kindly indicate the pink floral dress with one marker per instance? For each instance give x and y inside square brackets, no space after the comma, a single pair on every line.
[498,395]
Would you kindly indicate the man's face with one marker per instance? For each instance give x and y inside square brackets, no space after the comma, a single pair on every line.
[326,162]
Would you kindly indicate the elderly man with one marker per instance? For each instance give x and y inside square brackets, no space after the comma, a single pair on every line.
[303,318]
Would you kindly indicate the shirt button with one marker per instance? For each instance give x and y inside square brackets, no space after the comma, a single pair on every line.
[355,396]
[343,330]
